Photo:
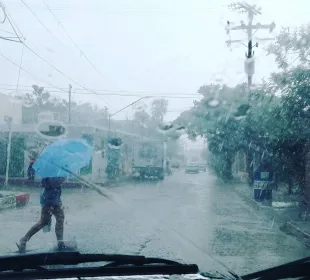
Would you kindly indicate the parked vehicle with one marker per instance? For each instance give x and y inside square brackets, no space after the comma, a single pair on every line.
[202,167]
[192,168]
[175,164]
[149,159]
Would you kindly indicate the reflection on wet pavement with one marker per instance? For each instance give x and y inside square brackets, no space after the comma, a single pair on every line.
[185,217]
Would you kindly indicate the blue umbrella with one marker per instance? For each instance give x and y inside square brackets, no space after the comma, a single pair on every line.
[63,158]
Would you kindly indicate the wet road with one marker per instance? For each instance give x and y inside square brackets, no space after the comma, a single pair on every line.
[188,217]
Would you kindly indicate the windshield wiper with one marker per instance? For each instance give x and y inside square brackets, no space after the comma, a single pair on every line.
[34,265]
[299,268]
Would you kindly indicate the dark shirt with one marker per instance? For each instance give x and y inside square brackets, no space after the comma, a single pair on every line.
[51,193]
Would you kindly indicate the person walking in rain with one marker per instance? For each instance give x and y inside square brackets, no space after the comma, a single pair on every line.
[51,204]
[32,157]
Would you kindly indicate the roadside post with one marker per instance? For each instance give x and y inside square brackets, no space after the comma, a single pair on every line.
[263,181]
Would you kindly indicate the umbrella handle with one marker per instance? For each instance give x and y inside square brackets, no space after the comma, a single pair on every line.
[88,184]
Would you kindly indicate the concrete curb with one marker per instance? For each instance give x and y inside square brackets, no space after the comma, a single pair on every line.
[294,230]
[8,201]
[68,185]
[286,226]
[248,199]
[12,200]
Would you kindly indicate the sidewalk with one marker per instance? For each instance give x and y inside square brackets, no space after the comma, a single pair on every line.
[282,209]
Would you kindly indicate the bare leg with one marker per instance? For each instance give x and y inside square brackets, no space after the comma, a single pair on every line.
[59,227]
[44,220]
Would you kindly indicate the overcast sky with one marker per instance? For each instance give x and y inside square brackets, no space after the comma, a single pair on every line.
[160,47]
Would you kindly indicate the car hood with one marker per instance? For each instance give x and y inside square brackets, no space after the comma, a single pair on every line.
[143,277]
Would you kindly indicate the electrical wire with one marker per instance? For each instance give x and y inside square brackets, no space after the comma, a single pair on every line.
[41,22]
[38,19]
[29,73]
[8,32]
[131,11]
[76,45]
[45,59]
[20,65]
[125,93]
[60,72]
[4,13]
[63,90]
[15,32]
[113,94]
[12,23]
[53,65]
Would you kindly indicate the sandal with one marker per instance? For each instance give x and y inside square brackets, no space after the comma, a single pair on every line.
[21,246]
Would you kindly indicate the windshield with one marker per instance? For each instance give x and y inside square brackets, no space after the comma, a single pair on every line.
[105,104]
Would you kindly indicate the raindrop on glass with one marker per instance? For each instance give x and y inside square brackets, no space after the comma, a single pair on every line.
[213,103]
[51,129]
[114,147]
[27,103]
[165,127]
[239,118]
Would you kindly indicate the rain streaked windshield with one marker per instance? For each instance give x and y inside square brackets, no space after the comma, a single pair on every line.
[171,129]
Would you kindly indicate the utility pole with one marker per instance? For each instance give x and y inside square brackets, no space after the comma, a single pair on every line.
[9,121]
[249,64]
[70,88]
[144,97]
[250,29]
[106,115]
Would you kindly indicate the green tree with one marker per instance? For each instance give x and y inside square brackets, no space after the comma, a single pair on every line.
[292,44]
[159,109]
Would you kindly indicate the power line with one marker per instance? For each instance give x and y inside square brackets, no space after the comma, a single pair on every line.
[14,28]
[124,95]
[75,44]
[59,71]
[147,92]
[118,93]
[176,94]
[129,11]
[49,62]
[12,22]
[114,94]
[11,40]
[7,38]
[45,59]
[8,32]
[38,19]
[30,72]
[139,95]
[4,13]
[20,65]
